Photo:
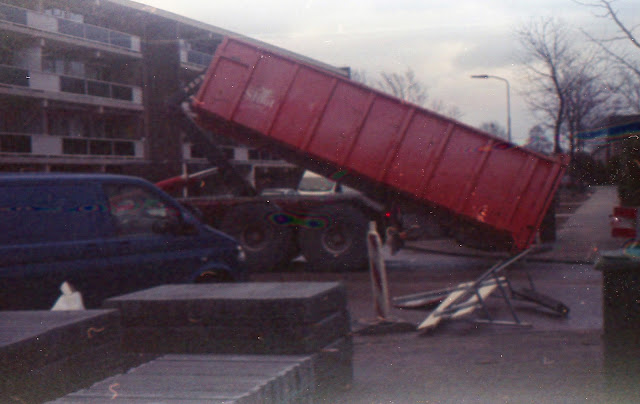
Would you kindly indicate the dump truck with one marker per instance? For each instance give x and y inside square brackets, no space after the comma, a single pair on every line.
[413,167]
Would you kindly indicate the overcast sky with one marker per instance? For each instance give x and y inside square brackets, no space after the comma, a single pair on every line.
[444,42]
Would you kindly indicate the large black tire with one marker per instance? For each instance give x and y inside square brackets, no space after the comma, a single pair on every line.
[267,245]
[335,239]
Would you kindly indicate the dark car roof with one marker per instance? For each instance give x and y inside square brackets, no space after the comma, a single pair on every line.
[64,177]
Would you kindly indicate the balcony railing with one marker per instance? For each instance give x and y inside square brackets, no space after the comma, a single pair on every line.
[13,14]
[190,151]
[198,58]
[94,33]
[15,143]
[51,23]
[37,80]
[96,88]
[238,154]
[14,76]
[60,146]
[195,57]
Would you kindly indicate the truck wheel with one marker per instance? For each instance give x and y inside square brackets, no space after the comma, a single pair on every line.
[267,244]
[335,239]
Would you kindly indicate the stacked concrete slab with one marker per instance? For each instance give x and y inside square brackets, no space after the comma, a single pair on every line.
[295,318]
[207,378]
[46,354]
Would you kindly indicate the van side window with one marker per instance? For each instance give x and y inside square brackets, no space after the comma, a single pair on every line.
[135,209]
[51,213]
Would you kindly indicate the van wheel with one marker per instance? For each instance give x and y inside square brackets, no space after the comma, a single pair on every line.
[266,243]
[335,239]
[214,277]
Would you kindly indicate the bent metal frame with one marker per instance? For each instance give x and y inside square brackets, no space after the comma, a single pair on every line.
[468,296]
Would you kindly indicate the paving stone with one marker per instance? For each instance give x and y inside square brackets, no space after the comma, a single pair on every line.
[250,379]
[333,366]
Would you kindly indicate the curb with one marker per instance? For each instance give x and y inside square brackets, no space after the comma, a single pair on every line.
[500,256]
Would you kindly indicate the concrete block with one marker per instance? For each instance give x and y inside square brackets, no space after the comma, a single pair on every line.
[301,339]
[276,303]
[45,354]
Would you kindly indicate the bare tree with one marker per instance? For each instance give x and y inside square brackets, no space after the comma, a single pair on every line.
[404,86]
[495,129]
[538,140]
[621,50]
[548,56]
[452,111]
[589,102]
[407,87]
[360,76]
[627,88]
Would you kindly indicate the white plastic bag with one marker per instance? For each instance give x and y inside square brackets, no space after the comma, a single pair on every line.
[70,299]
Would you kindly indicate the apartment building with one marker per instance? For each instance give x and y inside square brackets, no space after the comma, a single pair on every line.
[84,84]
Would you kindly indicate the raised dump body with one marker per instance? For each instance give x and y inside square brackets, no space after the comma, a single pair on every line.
[476,185]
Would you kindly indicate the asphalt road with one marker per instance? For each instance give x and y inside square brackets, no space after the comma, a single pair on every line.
[576,285]
[556,359]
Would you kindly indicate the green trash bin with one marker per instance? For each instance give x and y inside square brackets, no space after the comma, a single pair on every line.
[621,321]
[620,289]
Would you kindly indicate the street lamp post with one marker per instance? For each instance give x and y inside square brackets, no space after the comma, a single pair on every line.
[486,76]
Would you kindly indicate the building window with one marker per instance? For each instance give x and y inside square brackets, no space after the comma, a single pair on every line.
[15,143]
[255,154]
[61,124]
[122,93]
[97,72]
[74,146]
[124,148]
[14,76]
[62,66]
[72,85]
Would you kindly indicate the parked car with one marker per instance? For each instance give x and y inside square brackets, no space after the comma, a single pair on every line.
[312,184]
[103,234]
[316,184]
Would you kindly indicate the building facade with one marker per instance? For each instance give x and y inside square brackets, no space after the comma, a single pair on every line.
[84,86]
[607,140]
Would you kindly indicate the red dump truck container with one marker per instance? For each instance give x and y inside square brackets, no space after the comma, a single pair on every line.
[326,122]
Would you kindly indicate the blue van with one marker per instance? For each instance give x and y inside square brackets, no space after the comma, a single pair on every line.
[104,234]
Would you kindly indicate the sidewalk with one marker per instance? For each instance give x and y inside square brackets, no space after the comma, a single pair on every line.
[579,240]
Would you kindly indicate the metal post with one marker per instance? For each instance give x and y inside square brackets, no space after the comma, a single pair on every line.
[486,76]
[378,274]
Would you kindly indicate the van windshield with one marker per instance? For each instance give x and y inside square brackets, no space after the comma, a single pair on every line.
[315,184]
